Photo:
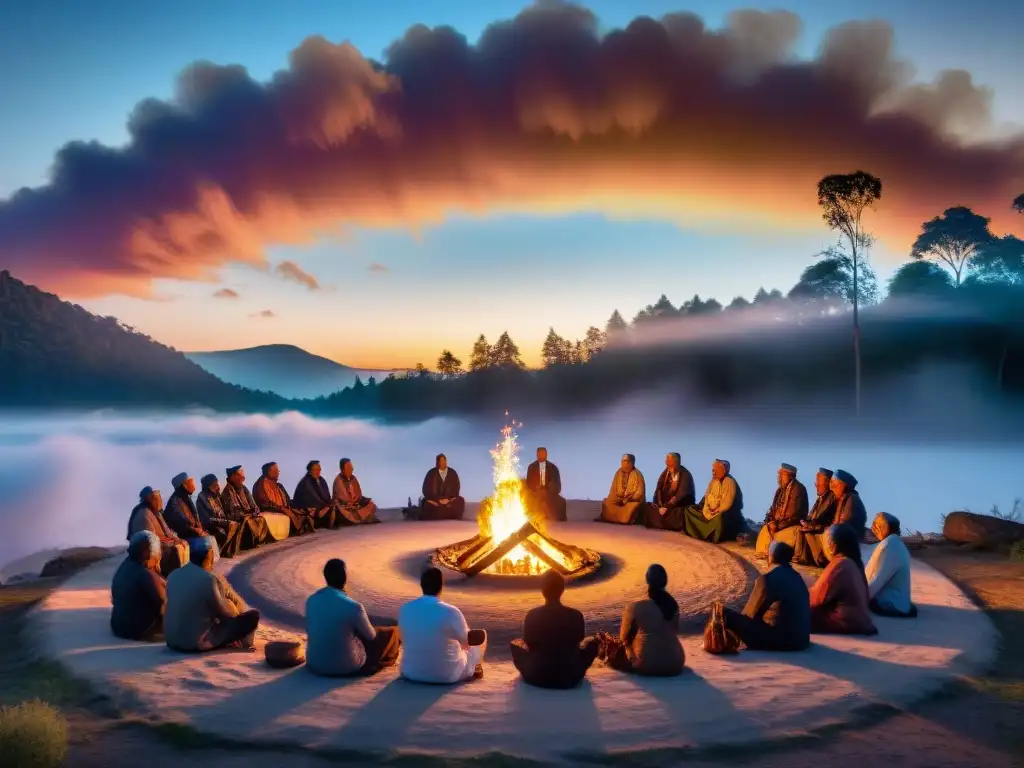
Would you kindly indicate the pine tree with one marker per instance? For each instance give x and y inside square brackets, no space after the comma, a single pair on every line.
[595,341]
[480,358]
[505,353]
[615,324]
[448,365]
[553,352]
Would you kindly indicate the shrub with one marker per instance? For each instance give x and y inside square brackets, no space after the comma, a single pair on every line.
[32,735]
[1017,552]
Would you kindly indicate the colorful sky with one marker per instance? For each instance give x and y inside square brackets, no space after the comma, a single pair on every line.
[517,176]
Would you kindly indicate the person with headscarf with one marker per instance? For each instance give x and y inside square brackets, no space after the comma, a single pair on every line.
[355,508]
[672,495]
[719,515]
[888,571]
[228,533]
[312,493]
[272,499]
[181,513]
[777,616]
[240,507]
[554,651]
[818,520]
[148,515]
[648,641]
[850,511]
[138,593]
[440,498]
[787,510]
[839,598]
[544,488]
[627,495]
[203,612]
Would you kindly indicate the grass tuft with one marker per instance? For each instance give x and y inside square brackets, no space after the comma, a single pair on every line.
[32,735]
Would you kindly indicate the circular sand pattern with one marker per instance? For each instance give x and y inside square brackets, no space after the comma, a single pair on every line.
[385,561]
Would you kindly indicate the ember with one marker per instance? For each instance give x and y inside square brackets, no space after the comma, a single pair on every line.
[511,542]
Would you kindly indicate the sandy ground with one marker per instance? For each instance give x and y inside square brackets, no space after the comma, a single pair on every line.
[750,697]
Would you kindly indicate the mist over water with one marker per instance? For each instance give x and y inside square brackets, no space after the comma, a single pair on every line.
[71,480]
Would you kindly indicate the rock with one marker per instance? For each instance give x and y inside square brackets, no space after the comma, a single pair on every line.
[981,530]
[20,578]
[71,560]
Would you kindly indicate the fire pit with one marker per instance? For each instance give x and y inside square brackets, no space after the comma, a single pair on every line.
[512,540]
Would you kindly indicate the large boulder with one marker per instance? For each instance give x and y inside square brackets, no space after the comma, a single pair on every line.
[75,559]
[981,530]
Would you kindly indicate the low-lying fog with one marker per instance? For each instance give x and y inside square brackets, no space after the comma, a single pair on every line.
[72,480]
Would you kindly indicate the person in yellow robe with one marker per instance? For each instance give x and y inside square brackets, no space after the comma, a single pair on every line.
[719,515]
[627,496]
[787,511]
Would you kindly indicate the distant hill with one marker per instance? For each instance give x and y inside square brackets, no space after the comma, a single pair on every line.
[284,369]
[56,354]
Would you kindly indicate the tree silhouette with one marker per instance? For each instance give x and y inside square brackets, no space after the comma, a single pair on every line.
[448,365]
[1000,260]
[615,324]
[595,341]
[828,283]
[555,350]
[1018,203]
[697,306]
[480,357]
[738,303]
[421,371]
[505,353]
[659,310]
[843,198]
[952,240]
[920,278]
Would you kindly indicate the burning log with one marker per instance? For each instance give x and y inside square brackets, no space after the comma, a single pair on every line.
[544,557]
[501,550]
[478,543]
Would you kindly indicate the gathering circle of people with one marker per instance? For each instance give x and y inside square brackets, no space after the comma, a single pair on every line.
[167,586]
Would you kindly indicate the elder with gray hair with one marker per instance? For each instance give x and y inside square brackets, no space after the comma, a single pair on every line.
[888,571]
[719,515]
[138,592]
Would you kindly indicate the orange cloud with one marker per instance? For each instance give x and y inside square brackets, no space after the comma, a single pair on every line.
[544,113]
[289,270]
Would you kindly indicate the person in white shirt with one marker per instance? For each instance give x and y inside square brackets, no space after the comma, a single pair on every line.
[888,571]
[439,646]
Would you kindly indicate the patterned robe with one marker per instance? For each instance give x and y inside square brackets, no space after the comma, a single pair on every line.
[240,507]
[311,494]
[271,497]
[231,536]
[788,508]
[354,507]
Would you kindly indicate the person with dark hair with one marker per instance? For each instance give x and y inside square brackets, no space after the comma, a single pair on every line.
[544,488]
[240,507]
[441,489]
[787,510]
[648,642]
[273,499]
[181,513]
[148,515]
[849,511]
[888,571]
[138,593]
[341,641]
[554,652]
[627,496]
[672,495]
[439,645]
[312,494]
[777,616]
[355,508]
[818,520]
[203,612]
[227,532]
[719,515]
[839,598]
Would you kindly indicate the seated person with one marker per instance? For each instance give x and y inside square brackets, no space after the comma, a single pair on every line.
[888,571]
[148,516]
[341,640]
[818,520]
[203,611]
[348,496]
[839,598]
[777,616]
[272,499]
[312,493]
[719,516]
[138,593]
[788,509]
[648,642]
[544,488]
[554,652]
[439,647]
[441,487]
[230,536]
[240,507]
[673,494]
[849,511]
[626,497]
[181,513]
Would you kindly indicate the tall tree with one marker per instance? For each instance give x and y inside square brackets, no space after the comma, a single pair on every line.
[615,324]
[952,240]
[698,306]
[505,353]
[738,303]
[828,283]
[555,350]
[659,310]
[480,358]
[843,199]
[763,297]
[920,278]
[448,365]
[1018,203]
[1000,260]
[594,341]
[421,371]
